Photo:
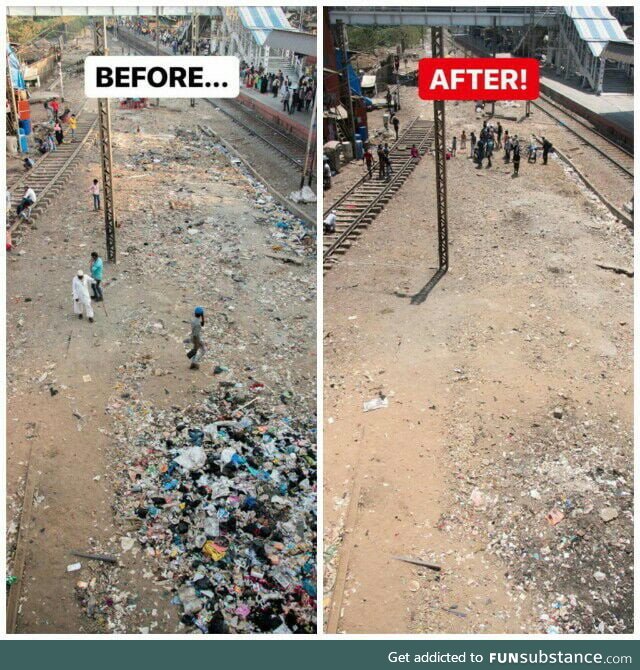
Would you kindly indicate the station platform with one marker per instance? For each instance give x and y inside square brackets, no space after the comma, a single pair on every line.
[270,108]
[611,112]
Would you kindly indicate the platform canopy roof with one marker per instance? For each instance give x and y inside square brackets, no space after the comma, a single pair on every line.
[262,20]
[302,43]
[596,26]
[622,52]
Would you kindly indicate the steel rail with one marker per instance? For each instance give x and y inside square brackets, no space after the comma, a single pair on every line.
[404,168]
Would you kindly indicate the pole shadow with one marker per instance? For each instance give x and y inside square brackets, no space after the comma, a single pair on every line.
[424,292]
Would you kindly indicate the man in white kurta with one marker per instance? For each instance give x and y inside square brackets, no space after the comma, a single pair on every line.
[81,297]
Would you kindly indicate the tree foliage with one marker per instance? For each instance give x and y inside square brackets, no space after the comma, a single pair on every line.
[367,38]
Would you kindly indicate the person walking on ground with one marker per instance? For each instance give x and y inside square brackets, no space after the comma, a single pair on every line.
[81,297]
[197,350]
[388,99]
[73,124]
[380,161]
[284,96]
[507,149]
[516,157]
[367,159]
[546,148]
[479,153]
[94,189]
[472,142]
[489,150]
[532,154]
[28,200]
[463,141]
[329,224]
[96,274]
[396,125]
[454,146]
[499,136]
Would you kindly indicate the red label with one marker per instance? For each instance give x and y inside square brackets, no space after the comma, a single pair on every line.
[478,79]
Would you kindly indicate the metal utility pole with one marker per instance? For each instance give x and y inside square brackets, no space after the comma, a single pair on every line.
[437,50]
[194,43]
[60,43]
[157,42]
[341,43]
[104,123]
[309,154]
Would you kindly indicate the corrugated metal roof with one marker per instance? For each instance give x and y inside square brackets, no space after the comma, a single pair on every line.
[596,26]
[261,20]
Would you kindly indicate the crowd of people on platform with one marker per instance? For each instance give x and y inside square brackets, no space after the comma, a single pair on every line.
[294,96]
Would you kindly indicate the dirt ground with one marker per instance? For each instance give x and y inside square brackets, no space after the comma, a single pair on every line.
[195,230]
[509,396]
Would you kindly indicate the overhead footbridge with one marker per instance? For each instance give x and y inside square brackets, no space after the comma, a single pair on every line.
[500,17]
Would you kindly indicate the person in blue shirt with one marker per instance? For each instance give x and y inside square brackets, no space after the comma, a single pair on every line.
[96,274]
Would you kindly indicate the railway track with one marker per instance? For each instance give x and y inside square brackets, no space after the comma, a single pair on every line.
[52,171]
[287,146]
[591,143]
[360,205]
[605,167]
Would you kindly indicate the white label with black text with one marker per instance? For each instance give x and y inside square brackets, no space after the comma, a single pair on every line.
[162,77]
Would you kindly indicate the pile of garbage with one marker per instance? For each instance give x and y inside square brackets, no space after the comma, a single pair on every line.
[224,497]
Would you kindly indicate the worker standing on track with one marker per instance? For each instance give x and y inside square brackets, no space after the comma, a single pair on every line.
[367,159]
[380,161]
[396,125]
[197,350]
[80,295]
[387,160]
[73,124]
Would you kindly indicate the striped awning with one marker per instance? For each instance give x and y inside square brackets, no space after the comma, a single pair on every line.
[596,26]
[262,20]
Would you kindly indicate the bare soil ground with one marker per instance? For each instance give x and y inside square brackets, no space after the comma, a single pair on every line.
[509,398]
[195,230]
